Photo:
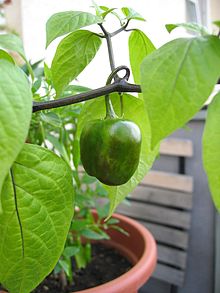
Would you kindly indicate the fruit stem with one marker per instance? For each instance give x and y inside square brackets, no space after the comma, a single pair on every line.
[110,113]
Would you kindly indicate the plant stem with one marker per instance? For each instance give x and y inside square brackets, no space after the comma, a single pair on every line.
[109,45]
[110,113]
[123,28]
[120,86]
[63,279]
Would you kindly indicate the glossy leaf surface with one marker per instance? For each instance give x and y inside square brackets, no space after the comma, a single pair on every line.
[176,80]
[66,22]
[139,47]
[73,54]
[37,212]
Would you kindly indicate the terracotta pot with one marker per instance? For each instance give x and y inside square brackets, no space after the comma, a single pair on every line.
[139,247]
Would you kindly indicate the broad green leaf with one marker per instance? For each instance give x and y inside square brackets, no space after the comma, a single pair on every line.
[176,80]
[131,14]
[15,114]
[217,22]
[211,149]
[139,47]
[12,42]
[6,56]
[190,26]
[73,54]
[133,110]
[37,212]
[66,22]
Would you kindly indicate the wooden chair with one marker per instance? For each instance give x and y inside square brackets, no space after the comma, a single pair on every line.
[163,203]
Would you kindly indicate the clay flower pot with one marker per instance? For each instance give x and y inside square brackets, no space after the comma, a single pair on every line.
[139,247]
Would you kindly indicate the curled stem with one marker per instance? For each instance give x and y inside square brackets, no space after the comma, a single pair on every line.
[110,113]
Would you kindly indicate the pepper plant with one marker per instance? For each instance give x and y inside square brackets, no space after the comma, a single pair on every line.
[36,185]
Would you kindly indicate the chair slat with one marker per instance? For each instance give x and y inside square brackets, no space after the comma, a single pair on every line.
[166,235]
[169,180]
[172,256]
[176,147]
[162,196]
[169,274]
[162,215]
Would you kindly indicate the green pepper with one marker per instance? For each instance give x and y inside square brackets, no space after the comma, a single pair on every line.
[110,148]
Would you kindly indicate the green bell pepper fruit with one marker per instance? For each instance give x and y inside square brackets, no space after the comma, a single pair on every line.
[110,149]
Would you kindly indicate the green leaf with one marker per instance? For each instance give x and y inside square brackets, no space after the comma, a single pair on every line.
[70,251]
[103,11]
[12,42]
[121,230]
[190,26]
[112,221]
[15,114]
[6,56]
[90,234]
[131,14]
[52,119]
[36,85]
[104,14]
[75,153]
[66,22]
[73,54]
[78,225]
[65,264]
[176,80]
[103,210]
[133,110]
[139,47]
[97,8]
[73,90]
[47,73]
[59,146]
[81,257]
[37,212]
[217,22]
[211,149]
